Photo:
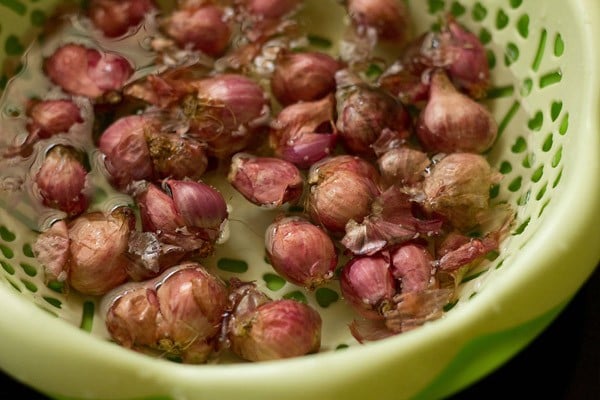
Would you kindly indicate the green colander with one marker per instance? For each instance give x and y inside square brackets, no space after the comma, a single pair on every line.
[545,69]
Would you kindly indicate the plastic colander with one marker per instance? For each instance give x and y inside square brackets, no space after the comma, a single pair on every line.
[545,70]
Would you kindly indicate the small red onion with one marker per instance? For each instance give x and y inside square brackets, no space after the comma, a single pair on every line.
[202,27]
[367,284]
[87,72]
[338,197]
[403,166]
[458,188]
[277,329]
[364,112]
[178,314]
[124,145]
[116,17]
[301,252]
[88,253]
[132,317]
[190,215]
[136,147]
[304,76]
[266,181]
[228,112]
[304,133]
[453,122]
[192,302]
[413,265]
[389,18]
[456,50]
[62,181]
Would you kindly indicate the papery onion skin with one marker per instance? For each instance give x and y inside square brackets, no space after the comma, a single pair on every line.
[276,330]
[202,28]
[62,181]
[367,284]
[458,188]
[133,316]
[98,245]
[51,249]
[301,252]
[304,76]
[87,72]
[453,122]
[266,181]
[116,17]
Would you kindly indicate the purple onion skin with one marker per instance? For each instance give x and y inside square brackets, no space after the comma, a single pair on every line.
[389,18]
[271,9]
[301,252]
[98,245]
[276,330]
[368,285]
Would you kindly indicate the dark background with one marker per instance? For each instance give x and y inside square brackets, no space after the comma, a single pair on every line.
[561,363]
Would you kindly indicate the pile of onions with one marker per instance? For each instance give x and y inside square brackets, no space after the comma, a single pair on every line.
[380,185]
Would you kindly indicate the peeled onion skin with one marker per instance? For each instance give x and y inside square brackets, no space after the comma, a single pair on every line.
[453,122]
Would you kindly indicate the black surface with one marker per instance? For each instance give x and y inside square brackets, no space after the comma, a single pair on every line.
[562,363]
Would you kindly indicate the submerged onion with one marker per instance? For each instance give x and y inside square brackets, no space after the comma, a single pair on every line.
[62,180]
[300,251]
[87,71]
[265,181]
[116,17]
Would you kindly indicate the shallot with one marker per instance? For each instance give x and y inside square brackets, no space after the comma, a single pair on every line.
[300,251]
